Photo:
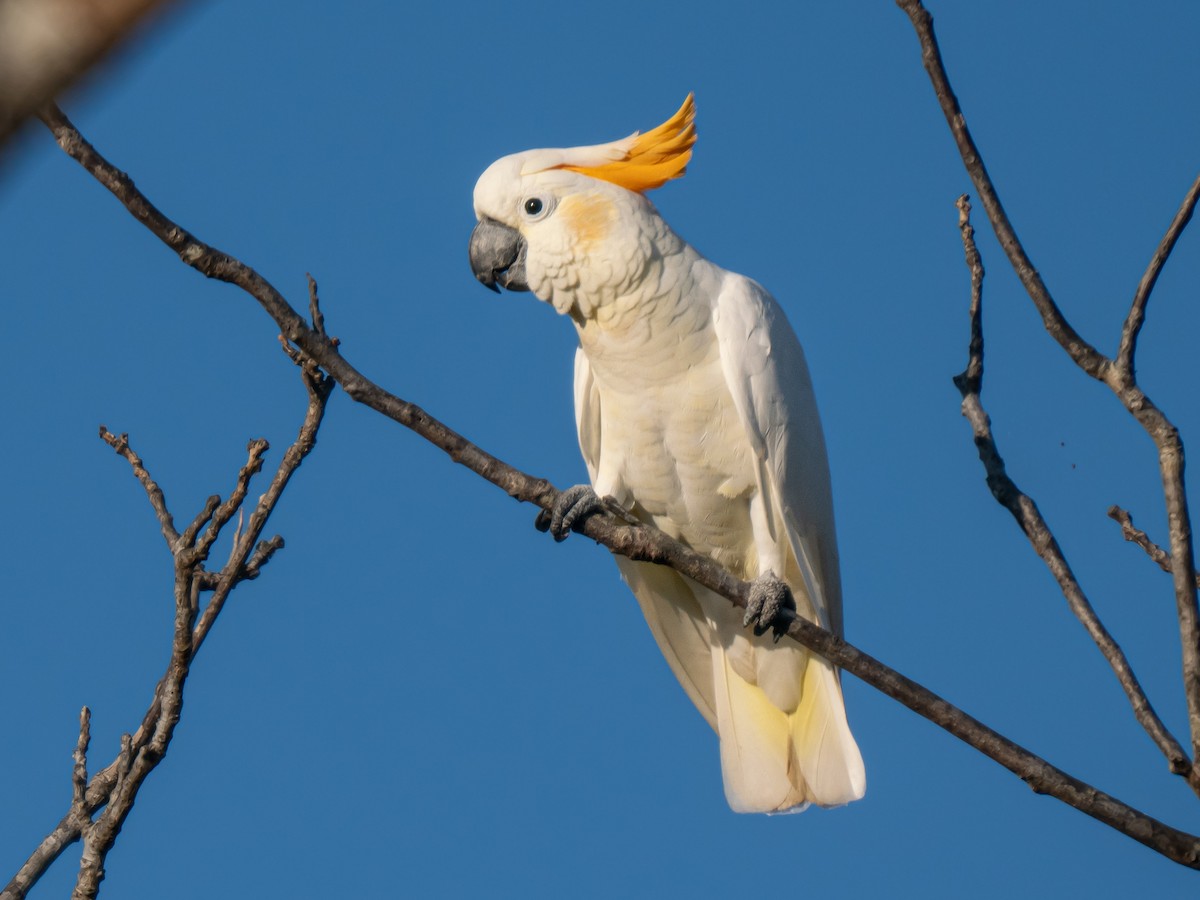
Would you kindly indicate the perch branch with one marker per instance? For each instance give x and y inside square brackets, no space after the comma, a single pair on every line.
[638,542]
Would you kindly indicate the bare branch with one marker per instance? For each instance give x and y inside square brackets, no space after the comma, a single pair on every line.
[1137,312]
[245,556]
[215,264]
[79,773]
[261,556]
[224,512]
[1084,354]
[153,491]
[1029,518]
[1135,535]
[314,309]
[1042,777]
[1164,434]
[202,518]
[638,542]
[114,789]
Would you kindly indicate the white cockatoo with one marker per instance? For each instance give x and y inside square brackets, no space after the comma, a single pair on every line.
[695,412]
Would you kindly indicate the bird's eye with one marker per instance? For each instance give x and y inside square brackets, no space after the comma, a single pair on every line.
[535,208]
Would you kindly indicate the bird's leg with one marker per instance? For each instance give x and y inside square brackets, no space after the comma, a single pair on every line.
[573,505]
[771,606]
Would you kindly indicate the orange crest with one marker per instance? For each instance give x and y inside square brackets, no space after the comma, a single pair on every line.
[651,159]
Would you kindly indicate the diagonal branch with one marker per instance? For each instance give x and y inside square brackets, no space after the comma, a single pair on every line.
[1133,534]
[1137,311]
[1119,379]
[1084,354]
[120,443]
[638,542]
[1029,518]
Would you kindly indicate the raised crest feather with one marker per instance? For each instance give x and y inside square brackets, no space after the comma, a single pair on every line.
[649,160]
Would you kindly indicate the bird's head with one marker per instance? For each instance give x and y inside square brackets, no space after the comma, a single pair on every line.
[573,225]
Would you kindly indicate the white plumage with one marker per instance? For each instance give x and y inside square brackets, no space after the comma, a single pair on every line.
[696,412]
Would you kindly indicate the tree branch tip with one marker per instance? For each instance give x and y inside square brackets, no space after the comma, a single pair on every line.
[85,736]
[117,441]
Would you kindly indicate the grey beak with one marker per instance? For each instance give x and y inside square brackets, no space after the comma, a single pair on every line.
[498,256]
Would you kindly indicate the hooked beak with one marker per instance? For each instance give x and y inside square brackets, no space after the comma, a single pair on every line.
[498,256]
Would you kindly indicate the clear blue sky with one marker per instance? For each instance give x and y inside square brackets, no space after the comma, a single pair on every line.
[425,697]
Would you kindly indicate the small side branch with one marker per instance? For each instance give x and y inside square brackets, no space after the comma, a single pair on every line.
[1135,535]
[1137,311]
[79,772]
[246,559]
[153,492]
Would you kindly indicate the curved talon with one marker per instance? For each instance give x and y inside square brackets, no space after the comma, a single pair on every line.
[572,506]
[765,610]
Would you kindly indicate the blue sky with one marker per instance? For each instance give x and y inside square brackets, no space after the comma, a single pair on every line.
[423,696]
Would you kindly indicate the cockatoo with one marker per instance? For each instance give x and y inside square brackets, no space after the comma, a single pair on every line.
[695,412]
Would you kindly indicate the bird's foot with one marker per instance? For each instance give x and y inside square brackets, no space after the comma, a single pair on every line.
[771,606]
[572,506]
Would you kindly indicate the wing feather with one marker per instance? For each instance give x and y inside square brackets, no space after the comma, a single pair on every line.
[767,374]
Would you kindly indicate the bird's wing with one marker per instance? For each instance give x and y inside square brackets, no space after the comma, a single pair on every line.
[768,377]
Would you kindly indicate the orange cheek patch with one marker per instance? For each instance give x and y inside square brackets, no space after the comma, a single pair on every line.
[588,218]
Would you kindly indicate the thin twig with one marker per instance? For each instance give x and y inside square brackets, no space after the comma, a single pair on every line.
[314,309]
[1120,380]
[1135,535]
[157,501]
[188,538]
[234,571]
[79,772]
[643,543]
[261,556]
[224,512]
[1137,311]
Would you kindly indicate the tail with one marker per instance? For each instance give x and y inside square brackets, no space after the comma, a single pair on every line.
[785,742]
[777,761]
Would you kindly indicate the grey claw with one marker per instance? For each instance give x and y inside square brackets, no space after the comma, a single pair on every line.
[770,607]
[572,506]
